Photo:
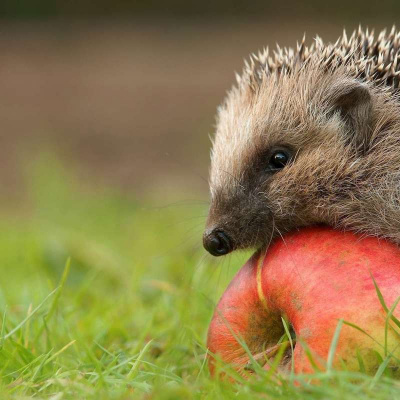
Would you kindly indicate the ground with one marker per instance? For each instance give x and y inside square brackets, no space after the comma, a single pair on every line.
[103,297]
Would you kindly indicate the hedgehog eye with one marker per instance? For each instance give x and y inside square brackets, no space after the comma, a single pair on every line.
[278,160]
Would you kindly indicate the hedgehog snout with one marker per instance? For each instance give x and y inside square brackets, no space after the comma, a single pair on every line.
[217,242]
[236,221]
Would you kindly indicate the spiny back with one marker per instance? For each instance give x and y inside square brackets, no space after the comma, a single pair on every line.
[364,57]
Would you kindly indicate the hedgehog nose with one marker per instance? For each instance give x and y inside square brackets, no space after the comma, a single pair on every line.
[217,242]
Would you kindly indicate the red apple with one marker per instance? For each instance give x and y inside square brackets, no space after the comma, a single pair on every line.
[314,277]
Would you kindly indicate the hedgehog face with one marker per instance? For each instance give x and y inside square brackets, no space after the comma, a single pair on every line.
[278,151]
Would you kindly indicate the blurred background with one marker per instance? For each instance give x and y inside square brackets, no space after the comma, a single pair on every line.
[125,92]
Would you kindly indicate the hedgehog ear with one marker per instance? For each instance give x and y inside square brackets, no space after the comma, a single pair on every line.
[353,100]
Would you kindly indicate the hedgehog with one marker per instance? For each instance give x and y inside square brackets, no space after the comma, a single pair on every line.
[309,136]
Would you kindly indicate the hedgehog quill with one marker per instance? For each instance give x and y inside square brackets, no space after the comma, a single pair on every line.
[309,136]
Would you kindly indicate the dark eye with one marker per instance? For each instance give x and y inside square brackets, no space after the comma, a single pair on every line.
[278,160]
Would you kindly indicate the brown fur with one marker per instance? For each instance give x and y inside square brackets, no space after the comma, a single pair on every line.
[342,124]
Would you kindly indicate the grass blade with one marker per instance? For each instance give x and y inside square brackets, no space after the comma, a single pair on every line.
[133,372]
[29,316]
[333,346]
[285,326]
[383,304]
[388,319]
[380,371]
[60,286]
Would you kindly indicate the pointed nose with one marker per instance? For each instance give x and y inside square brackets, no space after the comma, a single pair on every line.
[217,242]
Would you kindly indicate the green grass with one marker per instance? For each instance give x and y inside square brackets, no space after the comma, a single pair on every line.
[106,297]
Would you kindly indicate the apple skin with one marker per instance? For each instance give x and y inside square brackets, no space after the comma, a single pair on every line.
[314,277]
